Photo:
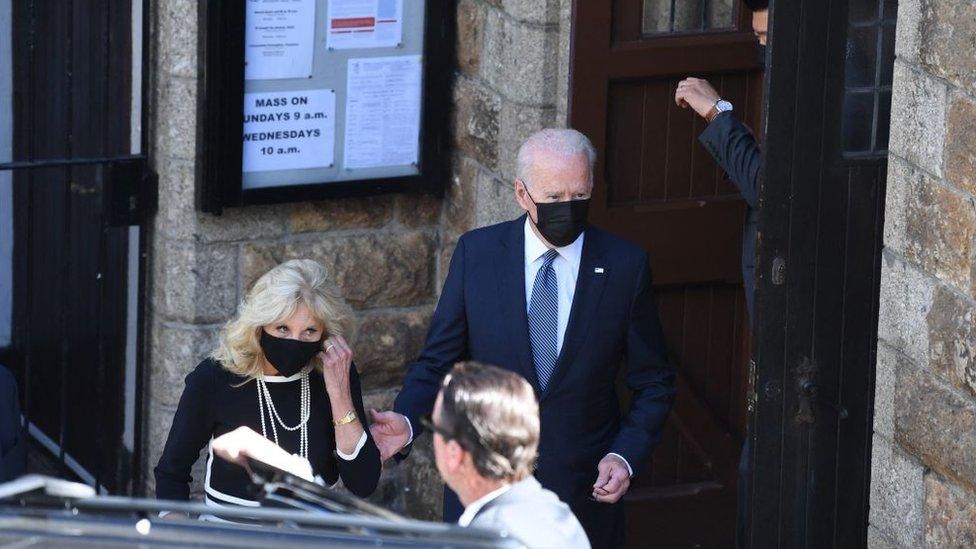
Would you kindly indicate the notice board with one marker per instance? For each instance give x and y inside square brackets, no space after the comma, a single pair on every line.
[309,99]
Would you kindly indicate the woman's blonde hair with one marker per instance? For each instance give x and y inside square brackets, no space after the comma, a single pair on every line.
[274,298]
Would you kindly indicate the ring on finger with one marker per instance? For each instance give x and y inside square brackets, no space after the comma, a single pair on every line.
[329,346]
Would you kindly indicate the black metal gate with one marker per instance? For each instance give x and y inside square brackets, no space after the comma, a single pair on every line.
[79,189]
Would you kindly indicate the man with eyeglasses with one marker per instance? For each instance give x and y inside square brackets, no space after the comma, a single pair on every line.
[486,435]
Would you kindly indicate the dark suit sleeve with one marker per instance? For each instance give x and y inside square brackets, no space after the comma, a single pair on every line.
[191,430]
[446,344]
[13,447]
[360,475]
[648,374]
[733,146]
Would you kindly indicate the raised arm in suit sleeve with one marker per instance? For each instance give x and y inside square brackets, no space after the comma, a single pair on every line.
[360,472]
[648,375]
[733,146]
[191,429]
[446,344]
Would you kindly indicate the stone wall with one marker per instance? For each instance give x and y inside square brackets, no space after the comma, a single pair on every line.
[923,489]
[512,80]
[388,253]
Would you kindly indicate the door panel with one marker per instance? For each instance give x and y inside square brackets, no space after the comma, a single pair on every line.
[659,187]
[816,342]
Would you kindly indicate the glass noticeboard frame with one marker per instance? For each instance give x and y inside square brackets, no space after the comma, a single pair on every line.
[310,99]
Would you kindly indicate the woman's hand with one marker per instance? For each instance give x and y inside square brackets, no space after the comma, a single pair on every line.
[336,364]
[336,360]
[237,445]
[242,443]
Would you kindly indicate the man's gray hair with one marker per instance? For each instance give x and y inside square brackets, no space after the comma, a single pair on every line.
[560,141]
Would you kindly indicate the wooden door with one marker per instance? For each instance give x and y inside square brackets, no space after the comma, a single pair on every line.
[657,185]
[822,220]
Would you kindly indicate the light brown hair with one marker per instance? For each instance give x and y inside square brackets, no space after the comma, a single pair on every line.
[494,416]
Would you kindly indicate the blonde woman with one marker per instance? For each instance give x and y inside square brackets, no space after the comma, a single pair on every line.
[283,369]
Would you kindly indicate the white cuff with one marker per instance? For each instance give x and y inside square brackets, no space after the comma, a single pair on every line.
[359,446]
[627,463]
[410,427]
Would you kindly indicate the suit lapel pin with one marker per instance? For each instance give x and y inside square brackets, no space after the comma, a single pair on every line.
[598,270]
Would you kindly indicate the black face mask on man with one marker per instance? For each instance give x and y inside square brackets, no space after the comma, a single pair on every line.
[762,57]
[561,223]
[288,356]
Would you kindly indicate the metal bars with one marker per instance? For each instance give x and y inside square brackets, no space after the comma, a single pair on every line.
[868,61]
[683,16]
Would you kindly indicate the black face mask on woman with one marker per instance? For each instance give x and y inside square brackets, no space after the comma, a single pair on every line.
[561,223]
[288,356]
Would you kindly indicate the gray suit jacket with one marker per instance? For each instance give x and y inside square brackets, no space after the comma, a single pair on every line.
[534,516]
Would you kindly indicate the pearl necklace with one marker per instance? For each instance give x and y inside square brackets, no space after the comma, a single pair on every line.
[266,405]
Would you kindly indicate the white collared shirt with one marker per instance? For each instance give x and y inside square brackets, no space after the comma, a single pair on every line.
[566,265]
[471,510]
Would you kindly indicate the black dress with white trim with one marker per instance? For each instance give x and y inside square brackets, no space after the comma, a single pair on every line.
[216,401]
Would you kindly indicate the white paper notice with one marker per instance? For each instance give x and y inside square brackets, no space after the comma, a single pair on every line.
[278,39]
[383,112]
[364,24]
[289,130]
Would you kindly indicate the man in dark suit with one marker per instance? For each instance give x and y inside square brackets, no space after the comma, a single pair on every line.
[734,148]
[12,446]
[566,306]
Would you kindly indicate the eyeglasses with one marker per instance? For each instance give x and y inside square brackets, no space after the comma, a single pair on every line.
[427,421]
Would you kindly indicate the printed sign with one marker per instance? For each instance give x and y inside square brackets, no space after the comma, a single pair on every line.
[289,130]
[278,39]
[383,112]
[356,24]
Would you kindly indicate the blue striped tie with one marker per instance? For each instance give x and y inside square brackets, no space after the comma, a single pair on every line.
[544,319]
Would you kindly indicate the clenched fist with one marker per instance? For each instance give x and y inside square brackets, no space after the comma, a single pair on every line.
[697,94]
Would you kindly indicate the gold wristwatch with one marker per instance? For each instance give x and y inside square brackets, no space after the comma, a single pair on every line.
[346,419]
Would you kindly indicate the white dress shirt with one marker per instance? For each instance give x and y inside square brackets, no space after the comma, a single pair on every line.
[566,265]
[471,510]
